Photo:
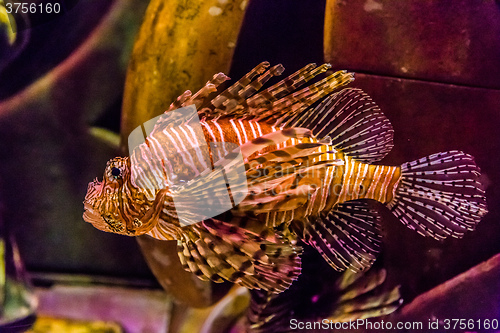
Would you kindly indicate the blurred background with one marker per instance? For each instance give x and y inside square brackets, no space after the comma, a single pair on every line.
[433,69]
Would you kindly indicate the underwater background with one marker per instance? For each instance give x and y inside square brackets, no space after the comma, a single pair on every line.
[432,68]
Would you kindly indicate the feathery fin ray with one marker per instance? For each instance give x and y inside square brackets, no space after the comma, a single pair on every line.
[353,122]
[440,195]
[213,250]
[346,237]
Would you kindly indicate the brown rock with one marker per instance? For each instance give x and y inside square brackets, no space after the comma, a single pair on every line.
[446,41]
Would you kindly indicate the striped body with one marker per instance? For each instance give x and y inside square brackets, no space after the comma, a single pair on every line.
[349,180]
[353,180]
[336,184]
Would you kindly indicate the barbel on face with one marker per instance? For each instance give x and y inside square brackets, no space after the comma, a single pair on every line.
[239,178]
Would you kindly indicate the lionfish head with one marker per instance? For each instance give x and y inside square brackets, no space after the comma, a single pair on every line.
[111,205]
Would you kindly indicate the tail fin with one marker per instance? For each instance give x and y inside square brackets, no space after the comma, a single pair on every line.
[440,195]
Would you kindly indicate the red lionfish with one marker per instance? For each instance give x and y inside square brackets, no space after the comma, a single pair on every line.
[308,154]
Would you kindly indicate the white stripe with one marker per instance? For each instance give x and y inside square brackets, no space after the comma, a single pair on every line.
[359,180]
[326,187]
[258,128]
[310,204]
[141,182]
[222,139]
[388,178]
[235,128]
[243,129]
[253,129]
[283,217]
[159,155]
[195,144]
[182,151]
[214,139]
[150,176]
[375,180]
[348,174]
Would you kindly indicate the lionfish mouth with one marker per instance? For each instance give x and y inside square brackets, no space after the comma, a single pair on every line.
[90,215]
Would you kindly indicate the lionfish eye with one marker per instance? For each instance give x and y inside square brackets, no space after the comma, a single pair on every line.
[116,172]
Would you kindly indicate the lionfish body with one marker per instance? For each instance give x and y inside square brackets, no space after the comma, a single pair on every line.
[309,175]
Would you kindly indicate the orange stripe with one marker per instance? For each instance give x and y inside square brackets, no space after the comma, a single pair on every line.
[326,187]
[385,184]
[382,182]
[393,184]
[374,181]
